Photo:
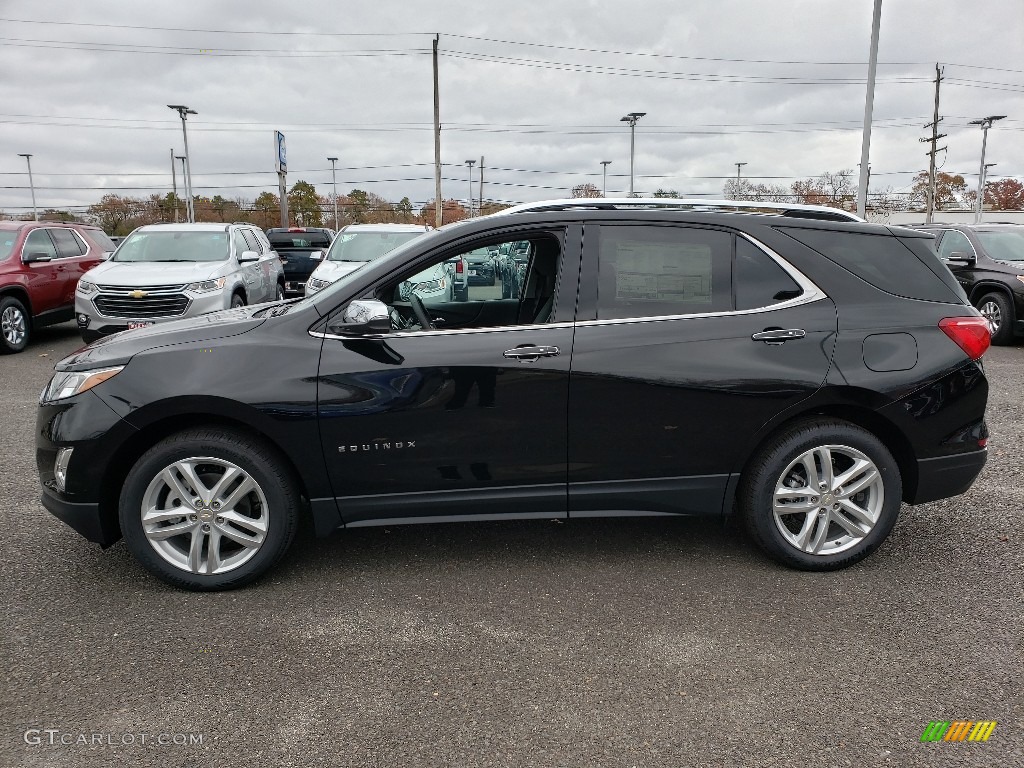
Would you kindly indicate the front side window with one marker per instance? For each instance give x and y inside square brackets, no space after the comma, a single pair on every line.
[173,245]
[657,271]
[241,246]
[38,241]
[954,241]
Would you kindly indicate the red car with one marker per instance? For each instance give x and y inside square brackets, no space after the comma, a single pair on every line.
[40,263]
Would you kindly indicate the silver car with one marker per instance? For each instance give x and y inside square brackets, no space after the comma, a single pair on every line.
[165,272]
[356,245]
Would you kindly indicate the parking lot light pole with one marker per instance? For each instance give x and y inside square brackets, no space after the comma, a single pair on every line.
[184,111]
[182,159]
[985,123]
[631,118]
[604,177]
[31,184]
[334,185]
[470,164]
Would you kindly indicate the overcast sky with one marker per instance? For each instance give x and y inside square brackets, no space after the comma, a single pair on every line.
[537,88]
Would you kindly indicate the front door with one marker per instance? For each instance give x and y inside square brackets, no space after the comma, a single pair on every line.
[465,418]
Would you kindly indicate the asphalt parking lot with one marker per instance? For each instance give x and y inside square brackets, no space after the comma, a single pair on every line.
[590,643]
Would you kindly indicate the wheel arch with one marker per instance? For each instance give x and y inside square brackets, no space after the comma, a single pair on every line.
[858,415]
[18,292]
[126,455]
[985,288]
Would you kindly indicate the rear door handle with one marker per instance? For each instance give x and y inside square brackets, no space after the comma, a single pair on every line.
[530,352]
[779,335]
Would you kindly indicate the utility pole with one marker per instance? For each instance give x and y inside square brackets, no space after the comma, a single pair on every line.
[869,104]
[604,177]
[738,167]
[334,185]
[934,140]
[480,208]
[32,184]
[184,112]
[470,164]
[174,187]
[438,218]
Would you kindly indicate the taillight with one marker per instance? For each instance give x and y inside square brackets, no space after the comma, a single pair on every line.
[458,267]
[972,334]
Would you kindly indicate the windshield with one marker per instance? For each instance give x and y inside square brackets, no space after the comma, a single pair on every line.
[173,246]
[1003,245]
[367,246]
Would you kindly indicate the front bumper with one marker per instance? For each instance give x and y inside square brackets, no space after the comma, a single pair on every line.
[84,517]
[92,323]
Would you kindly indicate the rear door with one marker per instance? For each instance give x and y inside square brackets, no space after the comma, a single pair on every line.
[75,259]
[688,340]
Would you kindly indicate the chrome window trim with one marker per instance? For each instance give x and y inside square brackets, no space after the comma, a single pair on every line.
[444,332]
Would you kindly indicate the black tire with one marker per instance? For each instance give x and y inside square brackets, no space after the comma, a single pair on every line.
[770,468]
[15,326]
[280,292]
[237,300]
[999,311]
[260,462]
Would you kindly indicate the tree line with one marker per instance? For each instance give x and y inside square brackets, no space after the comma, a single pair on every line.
[119,215]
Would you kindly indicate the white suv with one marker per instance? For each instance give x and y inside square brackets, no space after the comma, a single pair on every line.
[356,245]
[165,272]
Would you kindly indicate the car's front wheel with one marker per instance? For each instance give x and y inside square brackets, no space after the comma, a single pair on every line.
[208,509]
[15,325]
[821,495]
[996,308]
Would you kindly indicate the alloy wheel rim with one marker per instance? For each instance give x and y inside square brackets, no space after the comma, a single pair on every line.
[990,311]
[828,499]
[12,325]
[205,515]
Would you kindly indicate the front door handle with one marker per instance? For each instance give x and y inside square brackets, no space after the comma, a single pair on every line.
[530,352]
[779,335]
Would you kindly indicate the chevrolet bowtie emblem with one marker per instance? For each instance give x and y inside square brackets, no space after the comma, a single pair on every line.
[138,294]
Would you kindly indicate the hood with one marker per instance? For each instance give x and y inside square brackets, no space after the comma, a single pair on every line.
[119,348]
[335,270]
[135,273]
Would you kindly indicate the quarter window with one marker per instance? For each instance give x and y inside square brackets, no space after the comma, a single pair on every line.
[652,271]
[759,280]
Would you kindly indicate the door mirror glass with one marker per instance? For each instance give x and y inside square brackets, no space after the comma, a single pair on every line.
[363,317]
[247,257]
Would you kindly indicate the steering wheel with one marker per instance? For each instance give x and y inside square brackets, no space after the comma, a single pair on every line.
[420,311]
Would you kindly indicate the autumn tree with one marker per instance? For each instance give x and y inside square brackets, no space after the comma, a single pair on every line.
[1005,195]
[833,189]
[403,210]
[304,205]
[266,210]
[659,192]
[451,210]
[118,215]
[54,214]
[586,190]
[950,190]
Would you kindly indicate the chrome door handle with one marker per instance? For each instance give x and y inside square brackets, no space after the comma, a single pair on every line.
[530,352]
[779,335]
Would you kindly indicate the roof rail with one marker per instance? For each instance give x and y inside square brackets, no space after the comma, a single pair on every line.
[692,204]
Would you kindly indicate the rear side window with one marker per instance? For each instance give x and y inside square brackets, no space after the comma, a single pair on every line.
[758,280]
[925,250]
[68,244]
[650,271]
[881,260]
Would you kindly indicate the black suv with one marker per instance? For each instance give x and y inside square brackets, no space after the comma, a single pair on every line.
[301,250]
[988,261]
[808,371]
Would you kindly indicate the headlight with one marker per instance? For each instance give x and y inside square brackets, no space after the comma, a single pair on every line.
[315,284]
[67,383]
[86,288]
[206,285]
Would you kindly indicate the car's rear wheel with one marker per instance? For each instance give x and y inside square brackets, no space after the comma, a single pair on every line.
[821,495]
[996,308]
[208,509]
[15,325]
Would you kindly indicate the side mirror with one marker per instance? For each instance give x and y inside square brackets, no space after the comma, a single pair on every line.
[247,257]
[39,256]
[316,255]
[963,257]
[363,317]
